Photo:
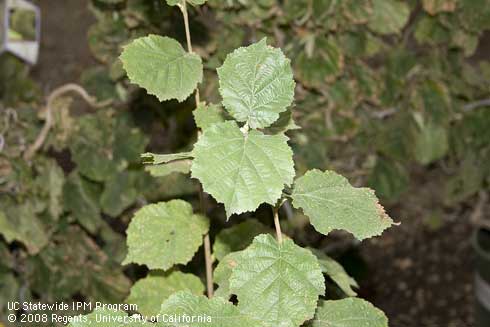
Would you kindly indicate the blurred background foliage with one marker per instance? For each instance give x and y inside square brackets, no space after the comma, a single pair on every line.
[389,93]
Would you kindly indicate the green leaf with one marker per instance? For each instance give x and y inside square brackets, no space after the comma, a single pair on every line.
[164,234]
[389,178]
[283,124]
[161,66]
[350,312]
[389,16]
[119,193]
[90,273]
[91,146]
[81,197]
[149,293]
[156,159]
[223,272]
[337,273]
[20,223]
[256,83]
[431,141]
[278,284]
[9,290]
[429,31]
[51,180]
[162,170]
[356,11]
[166,164]
[242,170]
[321,66]
[237,237]
[215,312]
[332,203]
[208,115]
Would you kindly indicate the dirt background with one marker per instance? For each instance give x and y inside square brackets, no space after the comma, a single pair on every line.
[64,53]
[420,275]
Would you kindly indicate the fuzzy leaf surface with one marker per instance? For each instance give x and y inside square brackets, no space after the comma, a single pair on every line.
[165,234]
[332,203]
[208,115]
[350,312]
[149,293]
[162,66]
[223,272]
[278,284]
[220,312]
[242,170]
[256,83]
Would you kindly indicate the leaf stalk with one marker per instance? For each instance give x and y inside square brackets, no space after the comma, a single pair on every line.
[275,212]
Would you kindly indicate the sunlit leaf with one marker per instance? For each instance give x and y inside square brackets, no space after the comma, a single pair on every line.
[161,66]
[165,234]
[150,292]
[332,203]
[242,170]
[215,312]
[223,272]
[277,283]
[208,115]
[350,312]
[256,83]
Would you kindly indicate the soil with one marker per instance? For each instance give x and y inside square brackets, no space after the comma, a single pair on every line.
[64,52]
[421,272]
[421,276]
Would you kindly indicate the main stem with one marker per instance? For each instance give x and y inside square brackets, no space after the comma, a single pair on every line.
[202,201]
[207,249]
[183,8]
[275,212]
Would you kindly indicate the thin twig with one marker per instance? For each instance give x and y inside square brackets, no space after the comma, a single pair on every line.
[207,248]
[183,9]
[275,212]
[71,87]
[207,242]
[476,104]
[209,266]
[382,114]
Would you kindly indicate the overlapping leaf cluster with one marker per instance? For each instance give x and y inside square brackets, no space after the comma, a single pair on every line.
[242,161]
[383,85]
[381,82]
